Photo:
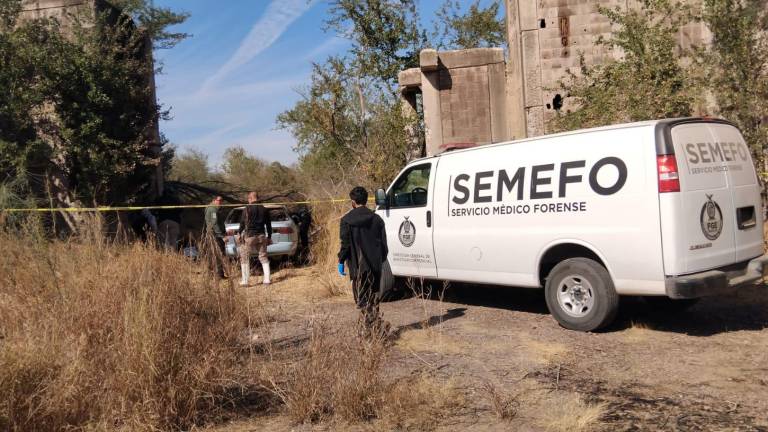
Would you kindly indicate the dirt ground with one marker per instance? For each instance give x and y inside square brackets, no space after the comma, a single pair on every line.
[703,369]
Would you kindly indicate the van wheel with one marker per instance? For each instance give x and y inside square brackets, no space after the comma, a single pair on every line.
[390,286]
[668,305]
[580,295]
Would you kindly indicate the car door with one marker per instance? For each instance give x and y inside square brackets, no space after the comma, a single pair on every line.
[408,217]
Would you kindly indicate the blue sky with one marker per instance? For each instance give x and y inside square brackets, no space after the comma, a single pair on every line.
[241,68]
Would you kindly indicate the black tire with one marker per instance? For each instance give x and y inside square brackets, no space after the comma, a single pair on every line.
[668,305]
[590,280]
[390,286]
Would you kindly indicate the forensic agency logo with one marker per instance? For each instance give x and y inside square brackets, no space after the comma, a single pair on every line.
[407,233]
[711,219]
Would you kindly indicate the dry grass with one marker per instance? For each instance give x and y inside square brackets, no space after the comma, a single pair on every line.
[96,335]
[503,404]
[570,413]
[543,352]
[338,376]
[419,402]
[335,374]
[325,246]
[638,332]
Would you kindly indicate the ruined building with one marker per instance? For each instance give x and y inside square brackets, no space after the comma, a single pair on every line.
[479,96]
[63,11]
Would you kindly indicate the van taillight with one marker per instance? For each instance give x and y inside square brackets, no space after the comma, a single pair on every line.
[284,230]
[669,180]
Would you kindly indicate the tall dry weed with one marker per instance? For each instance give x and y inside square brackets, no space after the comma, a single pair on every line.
[325,247]
[340,376]
[97,335]
[337,374]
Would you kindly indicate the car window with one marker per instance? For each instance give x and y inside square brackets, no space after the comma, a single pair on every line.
[411,188]
[234,216]
[278,215]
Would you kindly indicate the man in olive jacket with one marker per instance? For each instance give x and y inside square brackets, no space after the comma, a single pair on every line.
[364,249]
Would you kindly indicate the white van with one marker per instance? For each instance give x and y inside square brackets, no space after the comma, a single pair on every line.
[666,208]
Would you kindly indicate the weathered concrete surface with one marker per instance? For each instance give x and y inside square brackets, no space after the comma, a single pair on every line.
[463,96]
[552,34]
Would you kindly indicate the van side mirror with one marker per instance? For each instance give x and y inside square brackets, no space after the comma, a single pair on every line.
[381,198]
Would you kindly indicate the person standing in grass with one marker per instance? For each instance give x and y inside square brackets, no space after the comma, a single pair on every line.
[363,249]
[214,234]
[255,234]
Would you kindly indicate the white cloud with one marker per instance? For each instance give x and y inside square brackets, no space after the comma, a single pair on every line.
[280,14]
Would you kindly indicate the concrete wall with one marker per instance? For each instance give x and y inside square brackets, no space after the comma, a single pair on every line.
[463,97]
[551,35]
[58,9]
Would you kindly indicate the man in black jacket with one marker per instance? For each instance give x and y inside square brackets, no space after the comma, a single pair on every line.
[255,233]
[364,248]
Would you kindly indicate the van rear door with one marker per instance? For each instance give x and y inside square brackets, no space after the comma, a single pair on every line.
[715,219]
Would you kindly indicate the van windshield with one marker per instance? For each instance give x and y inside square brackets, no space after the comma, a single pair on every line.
[411,188]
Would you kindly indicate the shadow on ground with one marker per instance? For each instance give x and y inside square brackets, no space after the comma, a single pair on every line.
[746,309]
[431,322]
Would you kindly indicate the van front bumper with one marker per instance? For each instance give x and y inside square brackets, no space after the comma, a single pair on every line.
[718,281]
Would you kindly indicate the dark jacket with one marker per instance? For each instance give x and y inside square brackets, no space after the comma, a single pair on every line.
[363,241]
[254,220]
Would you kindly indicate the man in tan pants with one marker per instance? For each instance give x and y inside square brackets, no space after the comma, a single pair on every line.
[256,235]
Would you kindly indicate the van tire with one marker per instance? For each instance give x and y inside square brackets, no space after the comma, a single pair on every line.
[595,304]
[389,284]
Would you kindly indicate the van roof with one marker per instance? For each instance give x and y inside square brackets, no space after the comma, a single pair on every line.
[646,123]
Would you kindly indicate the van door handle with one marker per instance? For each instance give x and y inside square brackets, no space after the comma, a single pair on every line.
[429,218]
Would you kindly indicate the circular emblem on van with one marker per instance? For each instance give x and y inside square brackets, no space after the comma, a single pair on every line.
[711,219]
[407,233]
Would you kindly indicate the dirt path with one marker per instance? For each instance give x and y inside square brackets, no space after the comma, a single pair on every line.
[703,369]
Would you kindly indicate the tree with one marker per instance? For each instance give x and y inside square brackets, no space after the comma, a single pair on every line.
[649,81]
[191,167]
[737,67]
[349,125]
[478,27]
[340,139]
[249,173]
[385,33]
[78,108]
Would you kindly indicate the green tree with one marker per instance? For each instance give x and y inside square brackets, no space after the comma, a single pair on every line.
[737,66]
[386,35]
[341,138]
[648,81]
[349,124]
[245,173]
[191,167]
[78,105]
[478,27]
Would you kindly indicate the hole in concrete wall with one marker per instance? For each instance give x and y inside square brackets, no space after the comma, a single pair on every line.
[542,23]
[557,102]
[549,106]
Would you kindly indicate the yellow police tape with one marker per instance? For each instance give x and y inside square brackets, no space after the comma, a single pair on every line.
[191,206]
[136,208]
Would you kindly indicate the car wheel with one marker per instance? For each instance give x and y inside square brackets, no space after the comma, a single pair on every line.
[668,305]
[580,295]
